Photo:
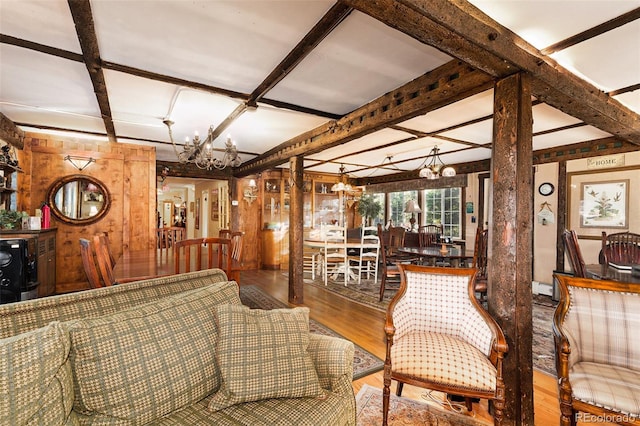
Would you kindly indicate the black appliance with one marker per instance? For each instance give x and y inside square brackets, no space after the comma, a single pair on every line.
[18,270]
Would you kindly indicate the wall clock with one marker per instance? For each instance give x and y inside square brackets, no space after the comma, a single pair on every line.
[546,189]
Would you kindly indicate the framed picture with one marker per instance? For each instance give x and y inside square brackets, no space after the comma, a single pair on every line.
[215,207]
[604,204]
[197,221]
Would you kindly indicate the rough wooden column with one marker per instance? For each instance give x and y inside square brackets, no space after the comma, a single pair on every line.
[511,240]
[296,231]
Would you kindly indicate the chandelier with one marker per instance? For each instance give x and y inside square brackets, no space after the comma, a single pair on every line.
[341,185]
[435,168]
[200,152]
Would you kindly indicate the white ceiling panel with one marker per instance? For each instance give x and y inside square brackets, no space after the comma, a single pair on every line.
[630,99]
[359,61]
[617,65]
[471,108]
[546,117]
[567,137]
[229,44]
[45,22]
[267,127]
[477,133]
[545,22]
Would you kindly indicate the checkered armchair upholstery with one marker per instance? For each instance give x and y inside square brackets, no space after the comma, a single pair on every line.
[439,337]
[595,329]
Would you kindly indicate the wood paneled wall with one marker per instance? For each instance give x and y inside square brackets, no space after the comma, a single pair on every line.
[128,171]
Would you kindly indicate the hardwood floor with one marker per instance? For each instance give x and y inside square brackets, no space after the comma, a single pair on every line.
[364,326]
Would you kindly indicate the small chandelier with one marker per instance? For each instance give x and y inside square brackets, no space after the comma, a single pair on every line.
[341,185]
[200,152]
[435,168]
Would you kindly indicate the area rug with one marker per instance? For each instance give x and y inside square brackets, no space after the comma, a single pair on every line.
[364,362]
[367,293]
[405,411]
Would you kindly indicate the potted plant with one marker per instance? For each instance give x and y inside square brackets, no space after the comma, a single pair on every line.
[10,219]
[368,208]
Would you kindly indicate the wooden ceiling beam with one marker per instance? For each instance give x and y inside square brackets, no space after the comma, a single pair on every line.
[10,133]
[83,20]
[464,32]
[446,84]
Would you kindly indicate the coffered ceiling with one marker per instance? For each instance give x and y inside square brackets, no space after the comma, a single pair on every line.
[115,70]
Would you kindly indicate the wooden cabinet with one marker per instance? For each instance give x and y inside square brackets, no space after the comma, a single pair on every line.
[321,206]
[45,246]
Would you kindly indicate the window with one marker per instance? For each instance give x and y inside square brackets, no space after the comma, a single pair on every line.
[443,206]
[398,200]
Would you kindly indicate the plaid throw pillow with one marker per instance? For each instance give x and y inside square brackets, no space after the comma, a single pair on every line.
[36,382]
[263,354]
[138,365]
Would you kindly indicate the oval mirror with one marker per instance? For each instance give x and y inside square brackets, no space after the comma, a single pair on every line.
[79,199]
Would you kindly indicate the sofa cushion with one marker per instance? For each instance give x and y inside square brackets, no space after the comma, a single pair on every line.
[36,383]
[263,354]
[138,365]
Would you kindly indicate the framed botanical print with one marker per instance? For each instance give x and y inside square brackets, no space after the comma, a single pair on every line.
[604,204]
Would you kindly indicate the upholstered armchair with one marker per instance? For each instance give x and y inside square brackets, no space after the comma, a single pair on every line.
[440,338]
[595,329]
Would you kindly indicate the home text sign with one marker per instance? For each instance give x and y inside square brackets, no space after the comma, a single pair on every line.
[605,162]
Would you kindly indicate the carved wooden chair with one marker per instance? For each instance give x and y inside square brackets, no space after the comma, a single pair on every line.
[89,263]
[621,248]
[595,328]
[434,320]
[479,262]
[236,255]
[574,254]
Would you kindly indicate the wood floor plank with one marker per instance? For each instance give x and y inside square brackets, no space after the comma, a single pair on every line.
[365,327]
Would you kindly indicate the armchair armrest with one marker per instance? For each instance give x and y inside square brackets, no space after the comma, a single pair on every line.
[333,359]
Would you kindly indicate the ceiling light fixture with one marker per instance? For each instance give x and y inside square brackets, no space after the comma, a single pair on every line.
[200,152]
[435,168]
[341,185]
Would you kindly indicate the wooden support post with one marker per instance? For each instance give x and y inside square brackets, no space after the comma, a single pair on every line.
[296,231]
[510,251]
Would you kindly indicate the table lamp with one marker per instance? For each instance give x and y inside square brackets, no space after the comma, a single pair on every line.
[412,207]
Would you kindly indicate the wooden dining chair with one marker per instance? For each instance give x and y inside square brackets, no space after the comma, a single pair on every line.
[429,235]
[188,254]
[105,266]
[168,236]
[89,263]
[574,254]
[107,243]
[622,248]
[366,261]
[335,253]
[236,238]
[389,271]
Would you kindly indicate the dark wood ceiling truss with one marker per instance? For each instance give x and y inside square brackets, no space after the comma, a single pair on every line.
[83,20]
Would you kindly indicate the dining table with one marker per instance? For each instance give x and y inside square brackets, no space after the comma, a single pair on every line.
[149,263]
[456,255]
[604,272]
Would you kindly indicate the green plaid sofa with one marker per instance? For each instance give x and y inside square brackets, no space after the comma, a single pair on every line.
[145,353]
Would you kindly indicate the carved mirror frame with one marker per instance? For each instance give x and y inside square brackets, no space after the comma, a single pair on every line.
[58,184]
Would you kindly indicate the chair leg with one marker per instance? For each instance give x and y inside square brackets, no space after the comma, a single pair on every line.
[386,396]
[399,389]
[382,284]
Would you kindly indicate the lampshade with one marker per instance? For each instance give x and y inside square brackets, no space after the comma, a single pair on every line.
[412,207]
